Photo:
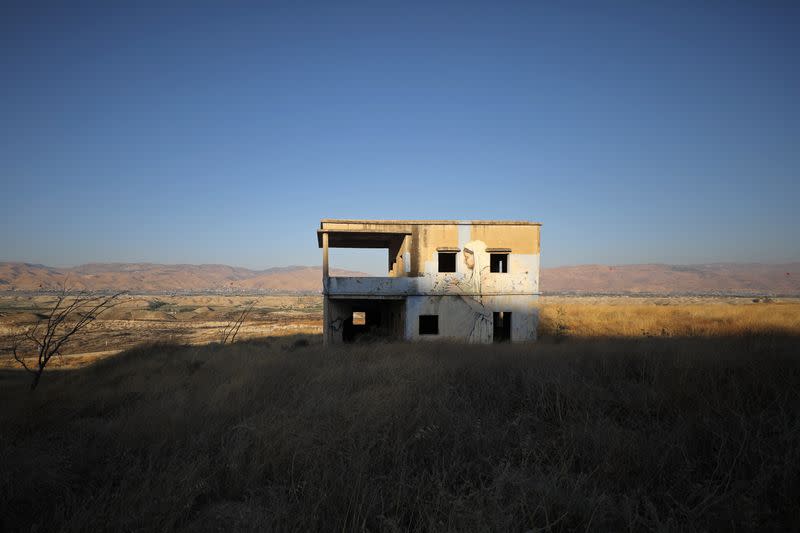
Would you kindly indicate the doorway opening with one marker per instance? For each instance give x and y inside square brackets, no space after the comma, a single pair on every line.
[502,326]
[373,320]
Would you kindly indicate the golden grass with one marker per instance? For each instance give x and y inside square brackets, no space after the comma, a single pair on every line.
[620,317]
[199,320]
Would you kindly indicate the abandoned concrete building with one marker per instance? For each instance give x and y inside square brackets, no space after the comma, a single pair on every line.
[472,281]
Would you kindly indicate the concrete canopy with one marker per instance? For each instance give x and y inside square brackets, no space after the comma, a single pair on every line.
[351,238]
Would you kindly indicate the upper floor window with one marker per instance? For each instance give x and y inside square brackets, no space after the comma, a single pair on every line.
[498,262]
[447,261]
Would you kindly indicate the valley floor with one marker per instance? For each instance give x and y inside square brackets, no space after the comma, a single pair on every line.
[201,319]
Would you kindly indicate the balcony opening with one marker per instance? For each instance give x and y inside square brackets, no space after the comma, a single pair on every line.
[358,262]
[371,320]
[428,324]
[365,252]
[502,326]
[498,263]
[447,261]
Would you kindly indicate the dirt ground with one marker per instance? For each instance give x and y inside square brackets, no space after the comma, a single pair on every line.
[146,319]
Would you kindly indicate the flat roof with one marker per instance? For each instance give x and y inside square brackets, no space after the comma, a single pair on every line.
[432,222]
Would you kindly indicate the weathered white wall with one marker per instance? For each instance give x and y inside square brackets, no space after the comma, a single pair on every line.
[334,314]
[463,319]
[464,300]
[524,317]
[518,281]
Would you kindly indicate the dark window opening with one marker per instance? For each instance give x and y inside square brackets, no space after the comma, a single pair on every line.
[502,326]
[498,262]
[428,324]
[447,261]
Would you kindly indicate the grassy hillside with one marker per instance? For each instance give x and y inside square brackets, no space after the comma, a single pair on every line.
[667,317]
[650,433]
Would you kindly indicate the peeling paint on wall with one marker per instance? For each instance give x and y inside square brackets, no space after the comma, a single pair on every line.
[464,300]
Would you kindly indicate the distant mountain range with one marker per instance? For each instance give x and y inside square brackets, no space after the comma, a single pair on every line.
[717,278]
[150,277]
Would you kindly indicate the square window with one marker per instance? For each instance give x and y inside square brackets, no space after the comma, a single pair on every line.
[447,261]
[498,263]
[359,318]
[428,324]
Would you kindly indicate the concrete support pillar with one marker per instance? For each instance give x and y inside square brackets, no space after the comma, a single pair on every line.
[326,310]
[325,273]
[326,321]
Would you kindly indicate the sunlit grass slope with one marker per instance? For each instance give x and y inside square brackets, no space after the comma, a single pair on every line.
[618,317]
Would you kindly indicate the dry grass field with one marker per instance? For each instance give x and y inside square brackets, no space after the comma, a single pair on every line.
[627,415]
[633,317]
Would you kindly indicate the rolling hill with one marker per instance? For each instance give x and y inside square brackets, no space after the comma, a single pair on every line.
[717,278]
[150,277]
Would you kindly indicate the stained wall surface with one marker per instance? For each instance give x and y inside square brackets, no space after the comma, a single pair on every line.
[464,300]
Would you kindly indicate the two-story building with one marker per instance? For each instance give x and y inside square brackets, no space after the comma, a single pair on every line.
[472,281]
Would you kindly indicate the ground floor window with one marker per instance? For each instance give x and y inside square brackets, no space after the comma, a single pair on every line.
[428,324]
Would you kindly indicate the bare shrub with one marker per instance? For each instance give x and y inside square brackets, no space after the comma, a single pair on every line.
[231,329]
[71,312]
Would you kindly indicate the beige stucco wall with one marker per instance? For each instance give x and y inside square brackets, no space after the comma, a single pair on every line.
[426,237]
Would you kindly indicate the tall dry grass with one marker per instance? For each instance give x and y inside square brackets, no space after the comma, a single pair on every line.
[616,317]
[647,434]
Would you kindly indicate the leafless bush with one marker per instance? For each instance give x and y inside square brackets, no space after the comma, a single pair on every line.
[231,329]
[71,312]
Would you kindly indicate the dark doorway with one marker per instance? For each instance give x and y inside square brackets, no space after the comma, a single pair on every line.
[373,320]
[502,326]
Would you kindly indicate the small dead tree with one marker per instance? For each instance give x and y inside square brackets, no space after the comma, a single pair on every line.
[70,313]
[231,329]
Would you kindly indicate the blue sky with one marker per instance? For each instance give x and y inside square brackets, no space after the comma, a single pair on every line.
[222,132]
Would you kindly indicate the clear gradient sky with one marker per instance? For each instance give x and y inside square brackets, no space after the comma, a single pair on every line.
[222,132]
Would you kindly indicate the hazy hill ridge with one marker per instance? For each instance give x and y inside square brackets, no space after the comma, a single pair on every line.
[714,278]
[722,278]
[151,277]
